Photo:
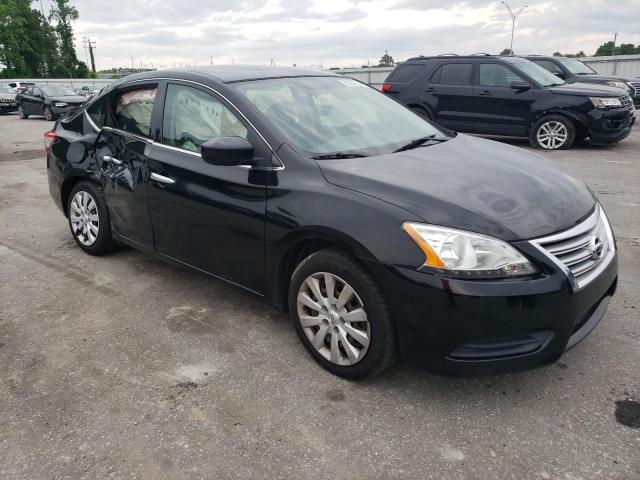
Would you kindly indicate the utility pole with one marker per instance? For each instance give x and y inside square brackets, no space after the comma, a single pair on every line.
[132,67]
[90,45]
[514,17]
[615,39]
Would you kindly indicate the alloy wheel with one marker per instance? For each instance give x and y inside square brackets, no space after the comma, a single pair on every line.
[333,318]
[48,114]
[552,135]
[85,221]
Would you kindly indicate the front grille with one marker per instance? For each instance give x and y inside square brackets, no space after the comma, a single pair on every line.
[627,102]
[583,251]
[636,86]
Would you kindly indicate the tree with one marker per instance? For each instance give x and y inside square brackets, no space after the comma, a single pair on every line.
[623,49]
[506,51]
[386,60]
[63,14]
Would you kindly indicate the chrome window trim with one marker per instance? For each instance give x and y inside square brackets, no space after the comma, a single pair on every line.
[275,155]
[586,226]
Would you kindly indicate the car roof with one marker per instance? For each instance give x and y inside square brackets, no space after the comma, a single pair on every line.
[453,56]
[229,73]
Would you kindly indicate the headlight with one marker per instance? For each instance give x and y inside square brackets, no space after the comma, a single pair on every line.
[60,104]
[467,254]
[605,102]
[618,84]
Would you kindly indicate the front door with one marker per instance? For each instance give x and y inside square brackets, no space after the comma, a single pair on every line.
[498,108]
[207,216]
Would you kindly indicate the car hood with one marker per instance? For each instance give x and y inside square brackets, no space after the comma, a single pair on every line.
[603,78]
[74,99]
[8,96]
[588,89]
[471,184]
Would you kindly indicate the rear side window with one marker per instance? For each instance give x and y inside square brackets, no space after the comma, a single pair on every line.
[496,75]
[405,73]
[453,74]
[133,110]
[191,117]
[549,66]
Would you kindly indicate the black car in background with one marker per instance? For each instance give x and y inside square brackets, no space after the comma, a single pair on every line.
[510,96]
[50,101]
[381,233]
[573,70]
[7,99]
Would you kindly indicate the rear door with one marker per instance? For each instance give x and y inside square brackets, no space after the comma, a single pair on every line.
[497,108]
[122,155]
[30,99]
[448,92]
[207,216]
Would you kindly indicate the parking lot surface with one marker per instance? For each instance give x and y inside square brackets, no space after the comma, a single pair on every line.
[125,367]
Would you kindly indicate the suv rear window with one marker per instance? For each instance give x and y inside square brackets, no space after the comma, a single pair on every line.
[405,72]
[453,74]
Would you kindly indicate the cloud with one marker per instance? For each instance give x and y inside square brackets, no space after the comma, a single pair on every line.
[340,32]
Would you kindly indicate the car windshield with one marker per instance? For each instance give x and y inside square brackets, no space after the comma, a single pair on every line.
[6,89]
[327,116]
[576,66]
[541,76]
[57,91]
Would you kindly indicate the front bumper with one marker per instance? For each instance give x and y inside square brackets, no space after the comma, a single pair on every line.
[8,106]
[613,125]
[461,327]
[62,112]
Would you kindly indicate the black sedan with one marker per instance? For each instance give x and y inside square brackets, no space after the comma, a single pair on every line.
[383,235]
[50,101]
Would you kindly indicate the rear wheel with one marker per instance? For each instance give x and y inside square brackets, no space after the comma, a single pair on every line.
[89,219]
[21,113]
[552,132]
[341,315]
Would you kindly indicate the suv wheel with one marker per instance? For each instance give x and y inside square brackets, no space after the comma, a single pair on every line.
[89,219]
[21,113]
[552,132]
[341,315]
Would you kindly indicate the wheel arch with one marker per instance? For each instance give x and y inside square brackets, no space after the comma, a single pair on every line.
[67,186]
[580,124]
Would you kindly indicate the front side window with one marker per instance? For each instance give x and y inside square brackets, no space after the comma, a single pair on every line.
[97,111]
[496,75]
[329,115]
[576,66]
[191,117]
[549,66]
[133,110]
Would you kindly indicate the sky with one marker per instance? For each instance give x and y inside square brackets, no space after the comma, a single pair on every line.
[339,33]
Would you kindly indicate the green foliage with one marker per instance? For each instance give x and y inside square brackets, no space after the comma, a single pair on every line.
[580,54]
[506,51]
[32,45]
[624,49]
[386,60]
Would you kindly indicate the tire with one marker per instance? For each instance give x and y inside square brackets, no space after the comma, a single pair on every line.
[86,206]
[21,113]
[365,318]
[48,114]
[552,132]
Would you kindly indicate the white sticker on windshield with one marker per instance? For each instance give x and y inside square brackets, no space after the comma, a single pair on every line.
[351,83]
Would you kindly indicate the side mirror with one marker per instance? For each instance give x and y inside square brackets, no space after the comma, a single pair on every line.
[227,151]
[520,86]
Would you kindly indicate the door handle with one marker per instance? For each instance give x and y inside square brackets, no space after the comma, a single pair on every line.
[486,93]
[430,89]
[110,159]
[162,179]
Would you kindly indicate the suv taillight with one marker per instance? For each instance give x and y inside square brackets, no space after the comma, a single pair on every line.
[385,87]
[49,137]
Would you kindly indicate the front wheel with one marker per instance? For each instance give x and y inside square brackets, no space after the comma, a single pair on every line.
[552,132]
[48,114]
[341,315]
[22,114]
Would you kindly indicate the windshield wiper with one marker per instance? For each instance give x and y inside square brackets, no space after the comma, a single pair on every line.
[419,142]
[338,156]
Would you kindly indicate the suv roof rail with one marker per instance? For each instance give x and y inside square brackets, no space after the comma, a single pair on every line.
[481,54]
[448,55]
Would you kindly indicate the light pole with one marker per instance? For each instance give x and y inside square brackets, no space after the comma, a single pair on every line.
[514,17]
